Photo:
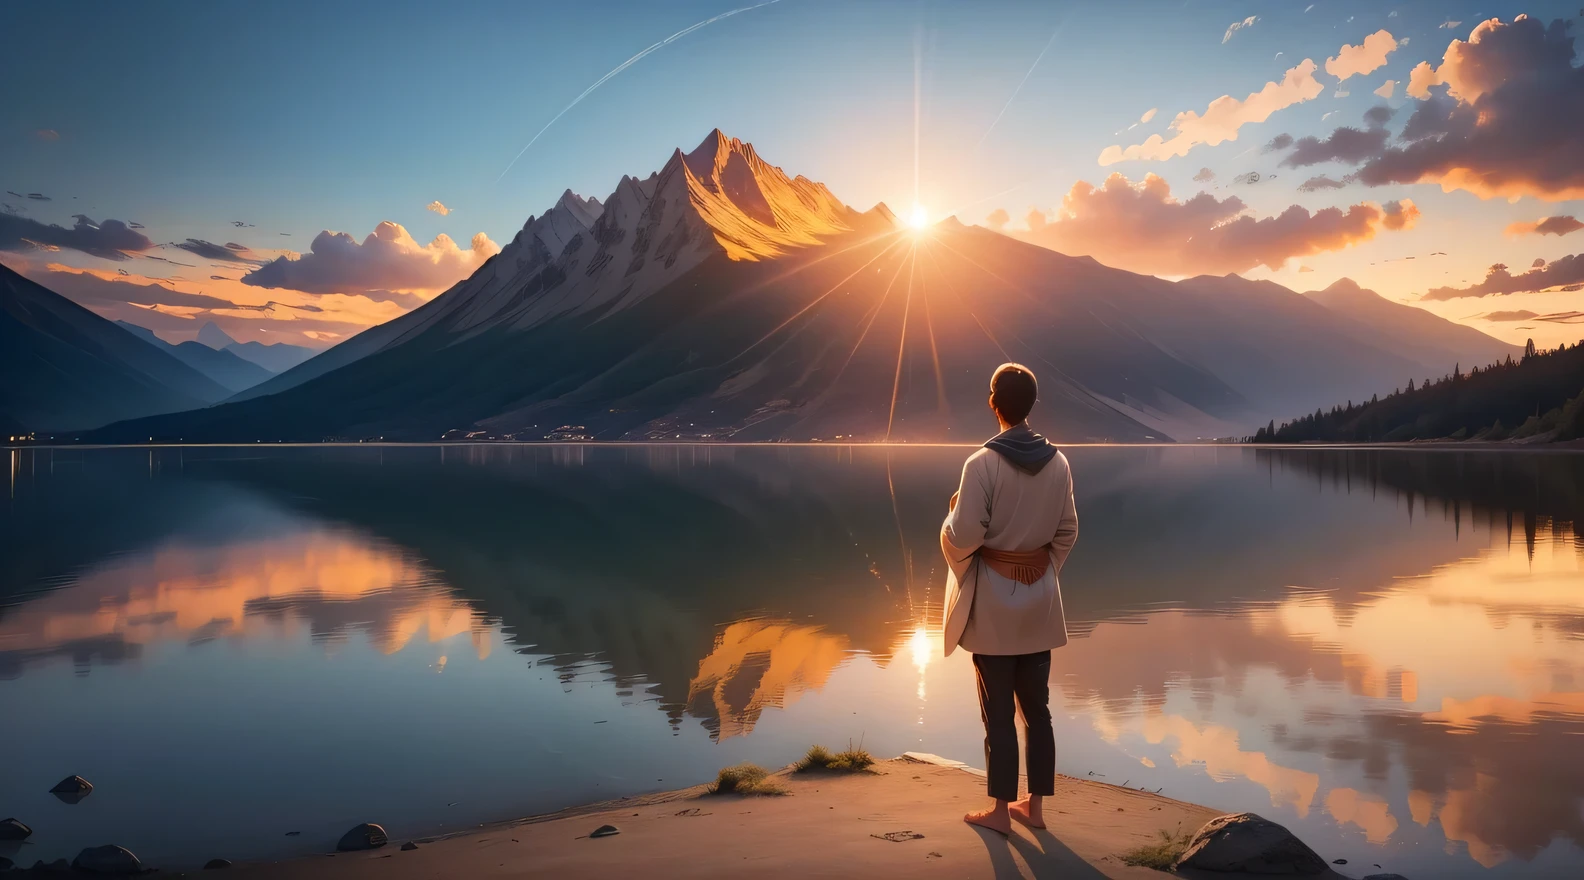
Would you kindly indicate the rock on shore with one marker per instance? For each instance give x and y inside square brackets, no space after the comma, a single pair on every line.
[1251,844]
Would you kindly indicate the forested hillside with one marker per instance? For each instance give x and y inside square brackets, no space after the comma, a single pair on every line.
[1537,399]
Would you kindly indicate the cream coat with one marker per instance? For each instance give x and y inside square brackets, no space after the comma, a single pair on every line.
[1003,507]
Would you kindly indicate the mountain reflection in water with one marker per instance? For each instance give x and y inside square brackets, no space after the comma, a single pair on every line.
[1382,649]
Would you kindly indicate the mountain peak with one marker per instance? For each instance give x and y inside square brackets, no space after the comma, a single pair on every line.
[751,207]
[582,254]
[211,335]
[1344,284]
[586,211]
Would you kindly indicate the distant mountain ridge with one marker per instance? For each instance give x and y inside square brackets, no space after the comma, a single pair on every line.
[223,366]
[1413,332]
[720,298]
[273,357]
[66,368]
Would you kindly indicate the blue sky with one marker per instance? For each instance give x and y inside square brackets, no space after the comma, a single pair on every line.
[184,117]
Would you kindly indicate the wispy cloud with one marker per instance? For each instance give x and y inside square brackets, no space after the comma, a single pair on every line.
[230,252]
[1558,226]
[1564,273]
[1236,26]
[1222,118]
[1315,184]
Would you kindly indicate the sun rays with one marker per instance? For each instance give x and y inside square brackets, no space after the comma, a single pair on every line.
[917,289]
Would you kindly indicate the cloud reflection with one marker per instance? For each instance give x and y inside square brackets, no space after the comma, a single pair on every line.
[331,582]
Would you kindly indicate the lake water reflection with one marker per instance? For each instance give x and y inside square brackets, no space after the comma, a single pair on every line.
[1383,650]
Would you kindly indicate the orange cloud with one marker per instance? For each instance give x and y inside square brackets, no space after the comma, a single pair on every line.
[1363,58]
[1560,225]
[1223,118]
[1400,215]
[438,208]
[389,258]
[1141,227]
[177,306]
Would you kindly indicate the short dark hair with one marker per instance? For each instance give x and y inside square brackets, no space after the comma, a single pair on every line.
[1013,390]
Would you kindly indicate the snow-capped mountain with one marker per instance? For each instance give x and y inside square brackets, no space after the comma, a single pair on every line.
[583,255]
[721,298]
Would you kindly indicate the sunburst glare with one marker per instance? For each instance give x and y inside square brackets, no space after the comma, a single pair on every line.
[919,218]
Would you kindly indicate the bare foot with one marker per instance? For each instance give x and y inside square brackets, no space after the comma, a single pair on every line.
[994,819]
[1030,814]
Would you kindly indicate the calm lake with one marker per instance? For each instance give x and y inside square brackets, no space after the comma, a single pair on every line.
[1383,650]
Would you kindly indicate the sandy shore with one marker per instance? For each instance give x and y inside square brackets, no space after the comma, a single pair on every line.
[827,825]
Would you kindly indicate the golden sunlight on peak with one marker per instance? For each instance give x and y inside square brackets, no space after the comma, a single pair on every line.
[919,218]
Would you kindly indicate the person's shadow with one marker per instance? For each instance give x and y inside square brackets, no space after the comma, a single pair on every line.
[1047,858]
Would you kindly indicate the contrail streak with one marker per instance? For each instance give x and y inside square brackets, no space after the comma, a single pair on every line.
[1037,59]
[623,66]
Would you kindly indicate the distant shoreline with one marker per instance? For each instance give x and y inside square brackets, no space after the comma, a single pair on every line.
[1422,445]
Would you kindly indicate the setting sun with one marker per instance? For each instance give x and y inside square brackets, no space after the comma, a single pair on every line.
[919,218]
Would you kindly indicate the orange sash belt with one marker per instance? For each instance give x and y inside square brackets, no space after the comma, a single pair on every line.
[1025,568]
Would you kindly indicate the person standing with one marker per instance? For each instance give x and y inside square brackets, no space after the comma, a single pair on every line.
[1009,529]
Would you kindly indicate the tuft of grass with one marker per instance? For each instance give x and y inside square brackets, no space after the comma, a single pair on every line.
[746,779]
[853,760]
[1162,854]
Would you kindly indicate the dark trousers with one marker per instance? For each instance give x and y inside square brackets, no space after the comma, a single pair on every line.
[1008,683]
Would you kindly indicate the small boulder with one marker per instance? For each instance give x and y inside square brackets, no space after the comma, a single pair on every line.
[5,864]
[365,836]
[11,829]
[605,831]
[72,789]
[59,866]
[216,864]
[72,785]
[409,846]
[1250,844]
[107,859]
